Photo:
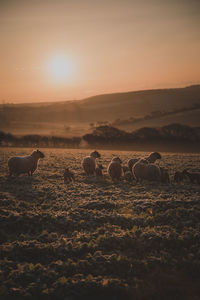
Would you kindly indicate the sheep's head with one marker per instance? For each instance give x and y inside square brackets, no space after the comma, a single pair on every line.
[117,159]
[154,156]
[143,161]
[95,154]
[37,154]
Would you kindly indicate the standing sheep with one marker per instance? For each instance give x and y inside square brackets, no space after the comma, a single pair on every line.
[142,170]
[24,164]
[115,168]
[89,163]
[151,159]
[98,170]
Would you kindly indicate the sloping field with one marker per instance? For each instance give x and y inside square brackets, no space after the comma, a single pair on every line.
[190,118]
[94,239]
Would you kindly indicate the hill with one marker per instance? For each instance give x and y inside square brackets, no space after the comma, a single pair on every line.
[107,107]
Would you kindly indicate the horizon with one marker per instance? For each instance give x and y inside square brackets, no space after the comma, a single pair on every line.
[65,51]
[97,95]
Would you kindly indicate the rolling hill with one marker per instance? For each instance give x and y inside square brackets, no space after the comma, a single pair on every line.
[108,107]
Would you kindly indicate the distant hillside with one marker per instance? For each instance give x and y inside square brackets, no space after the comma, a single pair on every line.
[107,107]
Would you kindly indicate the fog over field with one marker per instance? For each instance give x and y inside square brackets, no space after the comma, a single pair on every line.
[147,108]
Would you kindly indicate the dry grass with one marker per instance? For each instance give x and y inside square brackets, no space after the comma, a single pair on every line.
[94,238]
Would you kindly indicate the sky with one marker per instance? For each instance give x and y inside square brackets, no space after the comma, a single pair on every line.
[55,50]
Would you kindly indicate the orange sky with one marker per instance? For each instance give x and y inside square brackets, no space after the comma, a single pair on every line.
[110,45]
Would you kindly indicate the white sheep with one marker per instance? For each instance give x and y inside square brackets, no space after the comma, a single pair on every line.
[151,159]
[132,162]
[115,168]
[143,170]
[24,164]
[89,163]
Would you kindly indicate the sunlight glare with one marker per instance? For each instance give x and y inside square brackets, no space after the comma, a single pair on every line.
[60,68]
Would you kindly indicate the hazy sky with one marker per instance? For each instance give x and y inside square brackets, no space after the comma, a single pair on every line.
[71,49]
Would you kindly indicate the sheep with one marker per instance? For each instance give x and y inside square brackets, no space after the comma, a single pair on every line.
[24,164]
[98,170]
[164,175]
[89,163]
[115,168]
[132,162]
[68,176]
[128,176]
[193,176]
[179,177]
[151,159]
[144,170]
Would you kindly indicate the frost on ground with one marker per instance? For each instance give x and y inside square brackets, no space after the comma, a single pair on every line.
[95,239]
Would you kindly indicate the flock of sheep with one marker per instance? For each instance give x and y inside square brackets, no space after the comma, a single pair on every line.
[137,168]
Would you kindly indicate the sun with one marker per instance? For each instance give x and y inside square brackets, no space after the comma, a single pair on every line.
[60,67]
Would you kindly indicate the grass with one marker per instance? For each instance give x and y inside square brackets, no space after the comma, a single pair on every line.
[94,239]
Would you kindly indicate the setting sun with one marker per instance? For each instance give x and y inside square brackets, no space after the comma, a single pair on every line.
[60,67]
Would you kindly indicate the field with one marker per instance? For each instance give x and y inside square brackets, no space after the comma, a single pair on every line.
[94,239]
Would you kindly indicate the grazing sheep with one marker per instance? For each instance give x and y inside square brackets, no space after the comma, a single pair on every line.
[89,163]
[68,176]
[115,168]
[24,164]
[179,177]
[164,175]
[98,170]
[143,170]
[193,176]
[151,159]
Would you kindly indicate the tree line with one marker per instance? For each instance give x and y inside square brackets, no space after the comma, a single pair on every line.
[108,135]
